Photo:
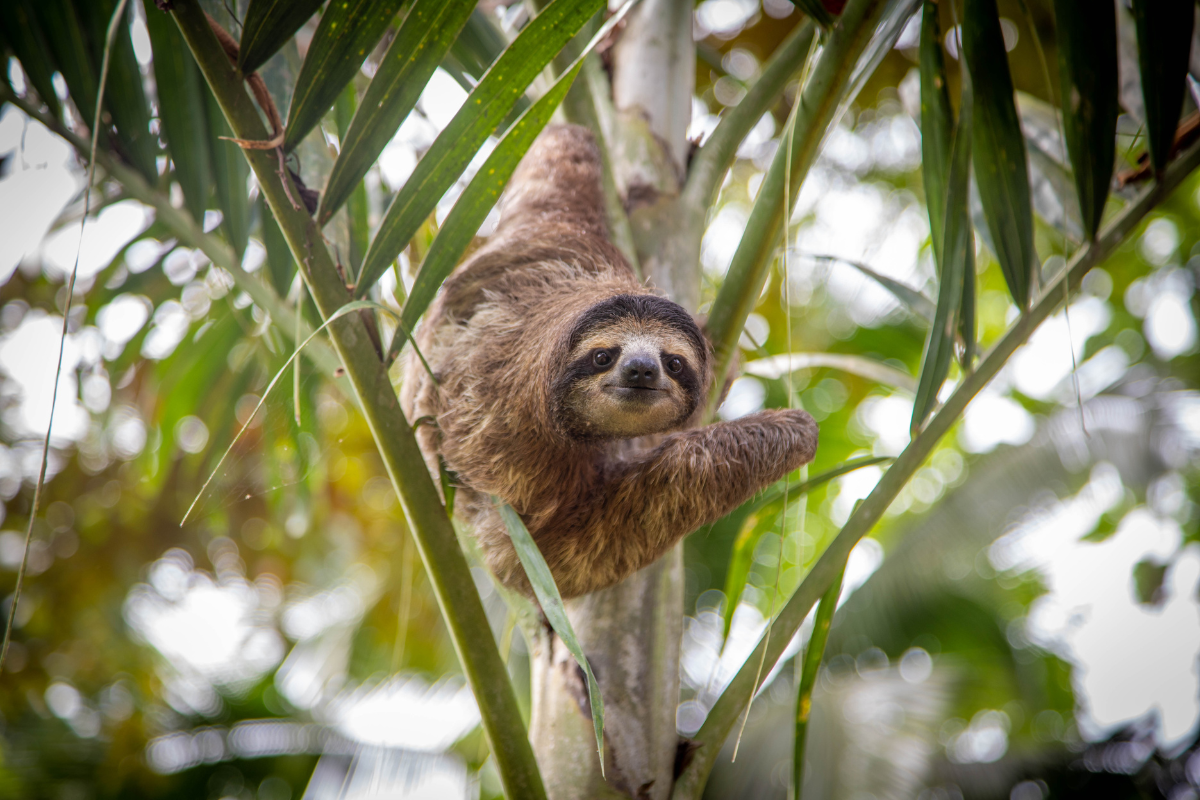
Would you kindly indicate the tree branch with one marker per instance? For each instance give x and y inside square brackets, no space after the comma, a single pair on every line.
[729,705]
[432,531]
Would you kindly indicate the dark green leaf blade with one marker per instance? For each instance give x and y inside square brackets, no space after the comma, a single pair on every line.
[426,34]
[479,45]
[1164,34]
[957,261]
[483,110]
[356,205]
[230,173]
[1001,170]
[64,34]
[181,109]
[1087,62]
[124,98]
[937,123]
[19,29]
[348,30]
[810,667]
[551,601]
[269,24]
[281,268]
[816,10]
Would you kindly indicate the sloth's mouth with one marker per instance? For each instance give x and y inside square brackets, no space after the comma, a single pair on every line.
[642,393]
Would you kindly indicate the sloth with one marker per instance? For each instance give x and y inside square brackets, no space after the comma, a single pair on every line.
[553,374]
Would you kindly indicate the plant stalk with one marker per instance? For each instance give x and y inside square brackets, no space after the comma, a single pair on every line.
[449,574]
[725,711]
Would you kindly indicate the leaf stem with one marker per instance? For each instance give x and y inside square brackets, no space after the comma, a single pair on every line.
[449,575]
[724,713]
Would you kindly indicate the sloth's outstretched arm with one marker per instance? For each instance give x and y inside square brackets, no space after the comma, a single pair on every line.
[691,479]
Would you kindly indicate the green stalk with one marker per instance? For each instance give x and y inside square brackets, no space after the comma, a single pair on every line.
[189,233]
[714,158]
[807,670]
[820,101]
[436,541]
[725,711]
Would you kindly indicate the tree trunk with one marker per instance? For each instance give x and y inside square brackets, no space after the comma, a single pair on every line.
[631,631]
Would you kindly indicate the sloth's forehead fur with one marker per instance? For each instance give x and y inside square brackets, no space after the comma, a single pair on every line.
[639,322]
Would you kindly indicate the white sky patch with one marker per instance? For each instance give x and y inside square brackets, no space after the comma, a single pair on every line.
[1045,361]
[1130,659]
[43,178]
[721,238]
[991,420]
[1169,326]
[103,237]
[746,396]
[887,419]
[407,713]
[29,355]
[441,99]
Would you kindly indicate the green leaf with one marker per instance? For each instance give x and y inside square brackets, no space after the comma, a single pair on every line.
[1087,63]
[356,207]
[484,190]
[761,517]
[426,34]
[124,98]
[551,601]
[269,24]
[19,29]
[958,262]
[181,109]
[483,110]
[281,267]
[914,300]
[814,9]
[1001,171]
[479,45]
[1164,34]
[937,124]
[64,33]
[348,31]
[808,674]
[230,173]
[775,367]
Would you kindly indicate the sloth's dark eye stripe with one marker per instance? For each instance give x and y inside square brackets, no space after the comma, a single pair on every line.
[646,307]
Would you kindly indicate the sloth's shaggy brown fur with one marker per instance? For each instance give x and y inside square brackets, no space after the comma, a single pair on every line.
[523,412]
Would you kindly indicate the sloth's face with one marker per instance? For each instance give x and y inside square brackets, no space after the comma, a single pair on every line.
[631,377]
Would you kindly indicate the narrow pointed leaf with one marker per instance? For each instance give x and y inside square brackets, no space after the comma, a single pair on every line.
[483,110]
[281,267]
[1001,170]
[426,34]
[913,300]
[814,9]
[356,206]
[19,29]
[761,518]
[1164,34]
[348,31]
[774,367]
[937,123]
[551,601]
[479,44]
[268,25]
[181,109]
[1087,63]
[124,98]
[64,34]
[230,173]
[957,261]
[811,666]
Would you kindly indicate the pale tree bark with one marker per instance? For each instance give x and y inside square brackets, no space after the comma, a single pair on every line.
[630,632]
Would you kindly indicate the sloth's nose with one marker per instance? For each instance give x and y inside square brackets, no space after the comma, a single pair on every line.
[639,371]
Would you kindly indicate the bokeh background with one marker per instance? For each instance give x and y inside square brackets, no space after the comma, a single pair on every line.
[1025,623]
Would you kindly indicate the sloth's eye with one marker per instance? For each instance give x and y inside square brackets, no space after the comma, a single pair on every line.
[675,363]
[602,358]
